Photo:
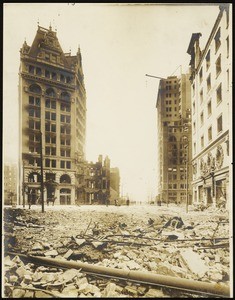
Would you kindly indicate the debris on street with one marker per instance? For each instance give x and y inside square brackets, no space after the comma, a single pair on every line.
[192,246]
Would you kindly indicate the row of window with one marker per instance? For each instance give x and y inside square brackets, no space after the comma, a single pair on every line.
[217,71]
[50,127]
[175,186]
[49,74]
[35,101]
[36,89]
[209,132]
[50,151]
[218,99]
[52,163]
[49,139]
[36,113]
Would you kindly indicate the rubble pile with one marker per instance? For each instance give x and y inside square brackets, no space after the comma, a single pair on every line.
[192,246]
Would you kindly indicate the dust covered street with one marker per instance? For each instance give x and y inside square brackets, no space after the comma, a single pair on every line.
[149,239]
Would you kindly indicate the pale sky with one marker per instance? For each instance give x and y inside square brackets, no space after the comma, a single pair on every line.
[119,45]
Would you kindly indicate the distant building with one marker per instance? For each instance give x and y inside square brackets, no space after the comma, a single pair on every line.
[211,81]
[52,102]
[174,140]
[10,184]
[95,188]
[114,184]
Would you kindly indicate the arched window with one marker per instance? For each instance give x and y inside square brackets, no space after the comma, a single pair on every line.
[172,138]
[34,88]
[65,179]
[65,96]
[50,92]
[34,177]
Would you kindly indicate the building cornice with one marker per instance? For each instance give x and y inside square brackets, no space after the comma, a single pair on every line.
[48,81]
[47,64]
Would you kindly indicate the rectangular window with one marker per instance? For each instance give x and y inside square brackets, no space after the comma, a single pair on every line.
[201,75]
[53,76]
[217,40]
[67,107]
[219,124]
[47,74]
[209,109]
[202,118]
[34,124]
[208,81]
[50,115]
[202,141]
[65,152]
[50,163]
[50,139]
[38,71]
[208,60]
[68,165]
[194,127]
[227,80]
[210,133]
[31,69]
[62,164]
[218,65]
[34,101]
[219,94]
[33,112]
[50,104]
[227,44]
[194,148]
[33,149]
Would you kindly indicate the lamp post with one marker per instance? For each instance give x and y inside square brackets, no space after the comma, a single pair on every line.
[42,184]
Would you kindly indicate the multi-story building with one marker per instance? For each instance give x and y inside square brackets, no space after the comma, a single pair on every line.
[211,72]
[96,182]
[10,184]
[174,140]
[52,104]
[114,184]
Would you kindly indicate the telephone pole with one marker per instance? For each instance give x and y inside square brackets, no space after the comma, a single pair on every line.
[42,184]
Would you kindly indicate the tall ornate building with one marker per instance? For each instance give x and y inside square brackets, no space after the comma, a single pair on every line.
[211,81]
[52,102]
[174,140]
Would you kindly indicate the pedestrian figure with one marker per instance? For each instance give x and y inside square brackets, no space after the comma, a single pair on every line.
[127,202]
[30,196]
[115,202]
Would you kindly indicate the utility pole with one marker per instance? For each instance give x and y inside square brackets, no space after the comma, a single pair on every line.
[42,184]
[23,187]
[186,162]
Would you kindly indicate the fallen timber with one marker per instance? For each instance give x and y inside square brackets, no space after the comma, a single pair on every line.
[214,289]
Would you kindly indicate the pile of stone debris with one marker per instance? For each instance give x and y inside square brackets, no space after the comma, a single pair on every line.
[194,247]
